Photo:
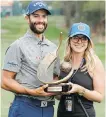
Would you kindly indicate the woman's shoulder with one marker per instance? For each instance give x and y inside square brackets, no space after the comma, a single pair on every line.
[99,68]
[99,64]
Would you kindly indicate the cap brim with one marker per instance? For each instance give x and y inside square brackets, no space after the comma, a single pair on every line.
[48,12]
[79,33]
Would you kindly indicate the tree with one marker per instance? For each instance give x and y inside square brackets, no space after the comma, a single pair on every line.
[25,4]
[17,8]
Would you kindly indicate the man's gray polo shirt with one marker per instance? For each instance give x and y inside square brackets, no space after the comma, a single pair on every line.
[23,57]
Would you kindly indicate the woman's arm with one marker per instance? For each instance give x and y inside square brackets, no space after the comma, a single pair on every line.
[98,76]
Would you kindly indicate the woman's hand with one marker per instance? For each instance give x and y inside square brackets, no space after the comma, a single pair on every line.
[75,88]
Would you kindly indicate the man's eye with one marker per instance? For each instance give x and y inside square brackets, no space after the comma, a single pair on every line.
[44,15]
[35,15]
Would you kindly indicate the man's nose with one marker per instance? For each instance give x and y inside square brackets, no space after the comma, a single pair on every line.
[41,19]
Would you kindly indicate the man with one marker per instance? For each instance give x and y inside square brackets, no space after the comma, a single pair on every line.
[22,58]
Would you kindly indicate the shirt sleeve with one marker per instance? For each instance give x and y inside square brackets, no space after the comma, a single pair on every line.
[57,67]
[12,59]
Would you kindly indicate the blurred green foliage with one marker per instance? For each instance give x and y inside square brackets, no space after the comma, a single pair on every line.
[17,26]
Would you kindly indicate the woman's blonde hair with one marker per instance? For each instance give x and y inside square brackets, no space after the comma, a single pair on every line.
[89,55]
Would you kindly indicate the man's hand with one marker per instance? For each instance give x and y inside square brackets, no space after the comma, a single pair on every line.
[40,91]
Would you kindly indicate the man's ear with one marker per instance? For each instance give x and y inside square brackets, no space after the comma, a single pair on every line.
[27,18]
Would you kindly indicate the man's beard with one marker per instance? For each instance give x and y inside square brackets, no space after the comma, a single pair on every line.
[34,29]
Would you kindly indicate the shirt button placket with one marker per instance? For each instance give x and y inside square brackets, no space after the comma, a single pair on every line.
[41,51]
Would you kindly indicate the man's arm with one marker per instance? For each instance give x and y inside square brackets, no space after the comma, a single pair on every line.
[9,83]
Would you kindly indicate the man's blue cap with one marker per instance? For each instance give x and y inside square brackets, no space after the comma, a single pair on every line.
[79,28]
[36,5]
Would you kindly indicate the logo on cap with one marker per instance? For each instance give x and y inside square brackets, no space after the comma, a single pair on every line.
[40,4]
[81,27]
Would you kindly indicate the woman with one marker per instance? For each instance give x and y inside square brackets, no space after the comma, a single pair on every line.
[87,80]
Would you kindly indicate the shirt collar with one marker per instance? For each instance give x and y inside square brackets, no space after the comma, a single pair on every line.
[30,34]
